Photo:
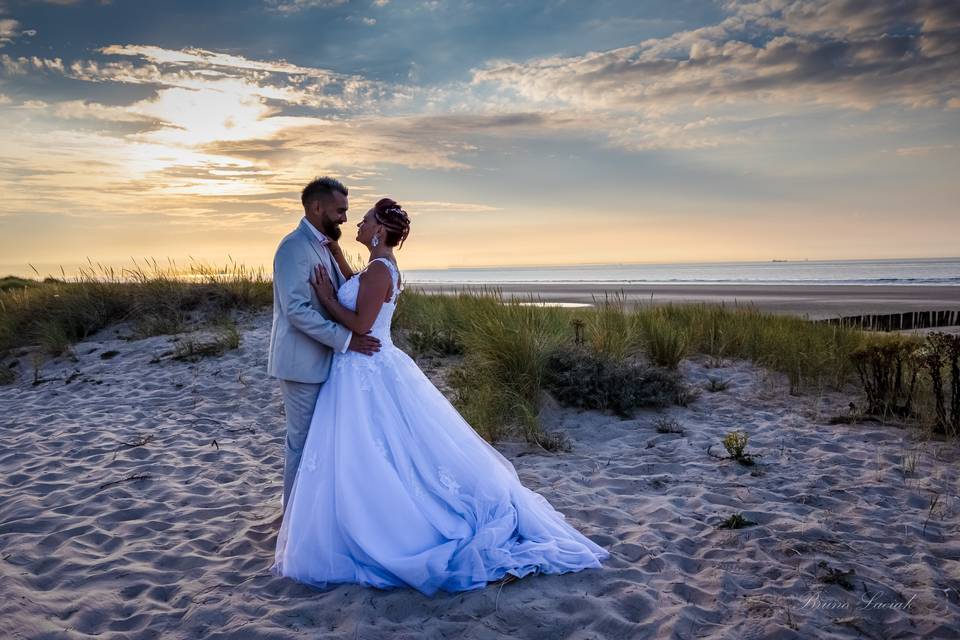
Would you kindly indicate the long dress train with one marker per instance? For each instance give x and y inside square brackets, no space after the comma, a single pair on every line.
[396,489]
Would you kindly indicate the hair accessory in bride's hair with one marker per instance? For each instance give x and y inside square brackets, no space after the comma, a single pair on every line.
[391,215]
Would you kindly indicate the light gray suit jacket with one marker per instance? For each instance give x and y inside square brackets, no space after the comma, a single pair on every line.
[304,337]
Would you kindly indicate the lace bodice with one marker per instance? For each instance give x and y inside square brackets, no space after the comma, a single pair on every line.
[347,295]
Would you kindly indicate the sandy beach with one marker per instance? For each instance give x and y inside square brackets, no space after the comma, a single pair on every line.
[712,247]
[138,496]
[811,301]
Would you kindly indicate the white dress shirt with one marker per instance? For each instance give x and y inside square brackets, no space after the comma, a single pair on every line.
[320,236]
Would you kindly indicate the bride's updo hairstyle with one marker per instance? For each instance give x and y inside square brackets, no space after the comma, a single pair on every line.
[388,213]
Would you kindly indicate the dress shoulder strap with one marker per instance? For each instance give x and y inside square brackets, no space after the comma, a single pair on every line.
[389,263]
[397,285]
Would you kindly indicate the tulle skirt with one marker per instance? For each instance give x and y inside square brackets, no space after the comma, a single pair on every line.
[395,489]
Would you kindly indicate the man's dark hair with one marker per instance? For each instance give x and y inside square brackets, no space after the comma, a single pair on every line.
[321,188]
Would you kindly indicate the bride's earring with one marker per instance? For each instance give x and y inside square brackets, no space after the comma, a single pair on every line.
[375,241]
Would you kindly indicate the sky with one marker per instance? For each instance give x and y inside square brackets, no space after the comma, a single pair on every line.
[513,132]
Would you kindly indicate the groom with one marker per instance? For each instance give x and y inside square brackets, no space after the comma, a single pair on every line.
[304,337]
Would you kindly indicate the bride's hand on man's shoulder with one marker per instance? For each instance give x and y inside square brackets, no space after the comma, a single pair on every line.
[320,281]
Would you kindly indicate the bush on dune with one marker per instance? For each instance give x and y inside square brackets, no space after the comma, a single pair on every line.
[583,378]
[13,282]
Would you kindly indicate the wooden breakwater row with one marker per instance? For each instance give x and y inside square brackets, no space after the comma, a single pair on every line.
[898,321]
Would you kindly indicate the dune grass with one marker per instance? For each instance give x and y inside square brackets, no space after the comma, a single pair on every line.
[514,352]
[154,299]
[612,356]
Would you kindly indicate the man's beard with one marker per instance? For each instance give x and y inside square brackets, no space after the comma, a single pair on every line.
[330,229]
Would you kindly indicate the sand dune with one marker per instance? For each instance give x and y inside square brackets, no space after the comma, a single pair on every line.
[138,498]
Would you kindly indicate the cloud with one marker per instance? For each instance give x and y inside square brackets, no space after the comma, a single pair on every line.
[200,58]
[9,30]
[86,110]
[847,53]
[420,207]
[70,2]
[24,64]
[294,6]
[227,124]
[367,142]
[924,150]
[199,69]
[362,20]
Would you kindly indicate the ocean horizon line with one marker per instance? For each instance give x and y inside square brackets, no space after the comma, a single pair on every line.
[74,269]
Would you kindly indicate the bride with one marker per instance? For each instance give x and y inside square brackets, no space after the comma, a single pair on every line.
[395,488]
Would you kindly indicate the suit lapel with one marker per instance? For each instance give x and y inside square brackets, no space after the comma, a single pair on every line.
[323,254]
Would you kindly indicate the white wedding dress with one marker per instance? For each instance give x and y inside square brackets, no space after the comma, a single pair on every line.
[395,489]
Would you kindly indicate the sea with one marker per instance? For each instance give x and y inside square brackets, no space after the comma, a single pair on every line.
[894,271]
[898,271]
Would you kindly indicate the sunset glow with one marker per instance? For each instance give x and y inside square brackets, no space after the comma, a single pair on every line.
[514,133]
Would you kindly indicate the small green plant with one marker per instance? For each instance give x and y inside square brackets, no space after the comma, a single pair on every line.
[735,442]
[552,440]
[736,521]
[934,501]
[226,339]
[665,424]
[909,462]
[836,576]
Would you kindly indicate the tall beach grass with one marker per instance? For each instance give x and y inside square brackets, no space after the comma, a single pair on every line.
[155,299]
[505,347]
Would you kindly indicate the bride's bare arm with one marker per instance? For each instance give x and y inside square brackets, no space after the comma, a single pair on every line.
[337,254]
[375,282]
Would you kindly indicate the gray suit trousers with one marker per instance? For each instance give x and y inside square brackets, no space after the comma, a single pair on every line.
[299,401]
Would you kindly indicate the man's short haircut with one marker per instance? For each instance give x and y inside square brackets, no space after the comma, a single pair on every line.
[321,188]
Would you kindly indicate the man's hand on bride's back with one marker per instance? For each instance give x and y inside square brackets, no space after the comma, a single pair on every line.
[364,344]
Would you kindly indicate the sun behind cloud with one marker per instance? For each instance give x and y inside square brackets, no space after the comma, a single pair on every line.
[749,118]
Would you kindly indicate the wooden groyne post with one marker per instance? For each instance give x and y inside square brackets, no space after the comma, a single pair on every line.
[898,321]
